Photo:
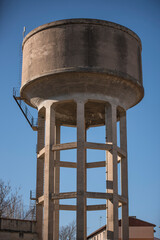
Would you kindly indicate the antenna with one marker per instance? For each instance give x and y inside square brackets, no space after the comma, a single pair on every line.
[24,30]
[100,221]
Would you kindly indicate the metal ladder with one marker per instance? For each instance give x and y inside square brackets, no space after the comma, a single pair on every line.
[33,122]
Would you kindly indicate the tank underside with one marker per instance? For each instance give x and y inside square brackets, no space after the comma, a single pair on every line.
[65,88]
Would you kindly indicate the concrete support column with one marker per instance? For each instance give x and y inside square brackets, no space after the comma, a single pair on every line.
[81,172]
[40,175]
[49,175]
[124,177]
[112,181]
[56,185]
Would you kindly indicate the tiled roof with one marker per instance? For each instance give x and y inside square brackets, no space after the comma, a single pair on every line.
[135,222]
[97,231]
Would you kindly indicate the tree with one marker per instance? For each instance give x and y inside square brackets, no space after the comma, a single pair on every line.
[68,232]
[30,214]
[11,204]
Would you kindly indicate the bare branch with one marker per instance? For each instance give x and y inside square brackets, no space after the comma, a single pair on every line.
[68,232]
[11,203]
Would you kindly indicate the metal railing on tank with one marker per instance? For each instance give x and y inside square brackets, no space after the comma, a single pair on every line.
[33,122]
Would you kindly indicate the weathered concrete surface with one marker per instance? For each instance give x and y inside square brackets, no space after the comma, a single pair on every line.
[79,56]
[111,178]
[40,175]
[15,229]
[48,219]
[124,177]
[81,172]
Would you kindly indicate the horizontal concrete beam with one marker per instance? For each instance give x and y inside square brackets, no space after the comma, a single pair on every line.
[40,200]
[96,207]
[65,164]
[118,159]
[89,207]
[41,153]
[119,204]
[122,199]
[88,145]
[67,207]
[96,164]
[64,195]
[98,146]
[64,146]
[121,152]
[99,195]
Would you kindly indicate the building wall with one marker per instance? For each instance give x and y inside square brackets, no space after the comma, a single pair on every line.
[137,233]
[15,229]
[6,235]
[141,232]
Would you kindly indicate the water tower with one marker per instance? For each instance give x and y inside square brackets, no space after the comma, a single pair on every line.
[82,73]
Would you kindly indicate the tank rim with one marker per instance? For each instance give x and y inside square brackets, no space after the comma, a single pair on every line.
[81,21]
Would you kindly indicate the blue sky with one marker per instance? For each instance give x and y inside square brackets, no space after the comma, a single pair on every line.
[18,141]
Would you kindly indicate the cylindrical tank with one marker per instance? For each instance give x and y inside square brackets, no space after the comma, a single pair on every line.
[82,73]
[79,56]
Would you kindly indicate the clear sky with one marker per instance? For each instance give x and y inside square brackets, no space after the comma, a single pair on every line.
[18,141]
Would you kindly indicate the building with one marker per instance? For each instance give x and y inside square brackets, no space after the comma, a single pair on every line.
[138,229]
[16,229]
